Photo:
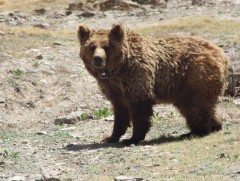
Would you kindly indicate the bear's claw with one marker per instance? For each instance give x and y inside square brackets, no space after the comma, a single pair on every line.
[110,140]
[130,141]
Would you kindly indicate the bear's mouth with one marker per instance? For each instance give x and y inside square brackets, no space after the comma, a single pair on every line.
[104,75]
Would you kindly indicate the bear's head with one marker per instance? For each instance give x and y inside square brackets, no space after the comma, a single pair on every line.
[103,51]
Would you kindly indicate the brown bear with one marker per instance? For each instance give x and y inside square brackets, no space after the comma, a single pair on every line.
[136,72]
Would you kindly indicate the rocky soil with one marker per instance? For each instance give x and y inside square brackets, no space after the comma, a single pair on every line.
[41,83]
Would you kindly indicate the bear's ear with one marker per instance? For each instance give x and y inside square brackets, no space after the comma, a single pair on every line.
[117,34]
[83,34]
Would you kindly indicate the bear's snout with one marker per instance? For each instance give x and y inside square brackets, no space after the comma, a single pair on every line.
[99,57]
[98,61]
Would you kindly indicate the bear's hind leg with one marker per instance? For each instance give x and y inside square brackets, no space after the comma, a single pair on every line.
[141,114]
[200,120]
[216,125]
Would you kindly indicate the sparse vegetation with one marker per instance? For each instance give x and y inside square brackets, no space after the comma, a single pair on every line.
[14,84]
[30,141]
[156,117]
[84,116]
[32,5]
[10,155]
[17,72]
[102,113]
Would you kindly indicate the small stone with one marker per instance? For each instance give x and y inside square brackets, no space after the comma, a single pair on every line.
[39,57]
[68,12]
[2,164]
[76,135]
[2,33]
[197,2]
[57,43]
[29,104]
[109,118]
[17,178]
[87,14]
[174,160]
[69,128]
[52,179]
[2,100]
[24,142]
[221,155]
[236,101]
[41,133]
[44,81]
[125,178]
[36,177]
[40,11]
[42,26]
[65,120]
[47,175]
[71,118]
[11,14]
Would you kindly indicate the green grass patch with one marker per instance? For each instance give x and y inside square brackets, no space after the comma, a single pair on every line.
[17,72]
[10,154]
[102,113]
[84,116]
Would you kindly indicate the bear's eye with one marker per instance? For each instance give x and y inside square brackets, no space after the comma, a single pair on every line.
[92,47]
[106,47]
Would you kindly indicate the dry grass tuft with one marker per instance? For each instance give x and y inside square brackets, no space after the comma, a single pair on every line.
[33,31]
[2,2]
[25,38]
[31,4]
[226,30]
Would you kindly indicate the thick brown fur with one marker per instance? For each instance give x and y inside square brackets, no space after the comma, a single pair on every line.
[136,72]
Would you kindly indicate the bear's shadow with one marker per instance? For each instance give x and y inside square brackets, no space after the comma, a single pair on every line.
[94,146]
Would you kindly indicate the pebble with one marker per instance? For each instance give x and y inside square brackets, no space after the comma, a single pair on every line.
[109,118]
[68,128]
[65,120]
[40,11]
[2,164]
[41,133]
[2,33]
[39,57]
[126,178]
[42,26]
[76,135]
[17,178]
[71,118]
[2,100]
[57,43]
[87,14]
[236,101]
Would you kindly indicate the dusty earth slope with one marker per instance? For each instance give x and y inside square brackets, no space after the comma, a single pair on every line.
[42,78]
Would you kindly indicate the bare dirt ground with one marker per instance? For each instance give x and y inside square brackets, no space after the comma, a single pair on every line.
[42,78]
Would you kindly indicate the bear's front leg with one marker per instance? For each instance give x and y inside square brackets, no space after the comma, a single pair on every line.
[141,115]
[121,122]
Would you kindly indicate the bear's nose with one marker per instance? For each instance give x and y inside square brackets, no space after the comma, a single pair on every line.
[98,61]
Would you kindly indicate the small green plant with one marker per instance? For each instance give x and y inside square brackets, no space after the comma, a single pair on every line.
[14,84]
[156,117]
[10,155]
[84,116]
[17,72]
[102,113]
[170,115]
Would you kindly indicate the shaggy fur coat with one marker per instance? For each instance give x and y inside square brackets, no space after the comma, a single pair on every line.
[136,72]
